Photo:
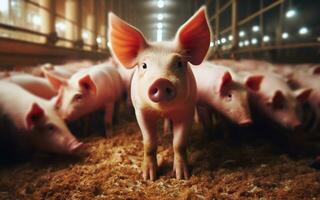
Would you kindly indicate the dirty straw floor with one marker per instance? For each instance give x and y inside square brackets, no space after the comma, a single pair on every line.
[220,170]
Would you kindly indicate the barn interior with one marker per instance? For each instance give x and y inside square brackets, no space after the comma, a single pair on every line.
[261,160]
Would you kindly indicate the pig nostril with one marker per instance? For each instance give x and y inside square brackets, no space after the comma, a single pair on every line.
[168,91]
[154,91]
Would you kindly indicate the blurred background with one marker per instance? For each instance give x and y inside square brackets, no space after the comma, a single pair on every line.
[37,31]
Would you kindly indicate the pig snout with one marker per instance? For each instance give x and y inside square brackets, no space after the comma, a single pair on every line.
[246,122]
[75,147]
[162,90]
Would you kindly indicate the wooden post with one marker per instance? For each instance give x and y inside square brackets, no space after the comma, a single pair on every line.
[48,20]
[234,28]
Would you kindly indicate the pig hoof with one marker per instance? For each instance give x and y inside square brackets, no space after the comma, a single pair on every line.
[149,169]
[180,169]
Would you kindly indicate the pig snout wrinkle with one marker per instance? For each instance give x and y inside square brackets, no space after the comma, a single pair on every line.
[162,90]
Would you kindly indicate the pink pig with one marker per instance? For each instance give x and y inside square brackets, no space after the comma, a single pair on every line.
[163,85]
[313,82]
[36,119]
[36,85]
[275,100]
[97,87]
[219,90]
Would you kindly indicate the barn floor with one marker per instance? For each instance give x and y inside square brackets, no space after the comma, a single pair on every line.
[220,170]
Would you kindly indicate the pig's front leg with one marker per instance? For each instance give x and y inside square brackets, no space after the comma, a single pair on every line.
[181,129]
[148,126]
[167,126]
[108,115]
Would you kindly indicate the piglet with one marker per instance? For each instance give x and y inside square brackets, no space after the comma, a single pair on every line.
[90,89]
[35,119]
[163,85]
[36,85]
[220,90]
[273,98]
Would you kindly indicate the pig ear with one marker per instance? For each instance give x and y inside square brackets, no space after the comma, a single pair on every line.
[316,70]
[254,82]
[87,83]
[226,78]
[194,37]
[303,94]
[126,41]
[55,81]
[34,115]
[277,99]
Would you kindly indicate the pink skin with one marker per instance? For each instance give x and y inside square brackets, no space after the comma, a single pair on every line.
[275,99]
[88,90]
[310,81]
[219,90]
[57,70]
[163,85]
[36,85]
[37,118]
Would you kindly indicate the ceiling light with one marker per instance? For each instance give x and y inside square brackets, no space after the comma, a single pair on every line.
[303,31]
[255,28]
[285,35]
[291,13]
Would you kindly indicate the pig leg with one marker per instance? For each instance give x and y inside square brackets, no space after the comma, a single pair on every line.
[108,118]
[116,110]
[205,118]
[181,128]
[148,126]
[167,126]
[316,124]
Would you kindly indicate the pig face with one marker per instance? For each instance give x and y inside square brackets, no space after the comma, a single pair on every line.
[231,99]
[74,97]
[281,106]
[163,78]
[49,133]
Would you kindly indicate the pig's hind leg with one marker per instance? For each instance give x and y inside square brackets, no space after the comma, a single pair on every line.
[108,116]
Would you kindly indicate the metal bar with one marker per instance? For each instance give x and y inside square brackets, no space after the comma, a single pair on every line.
[249,18]
[14,28]
[226,30]
[225,6]
[287,46]
[234,27]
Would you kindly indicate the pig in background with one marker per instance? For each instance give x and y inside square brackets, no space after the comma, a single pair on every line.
[162,84]
[32,121]
[88,90]
[220,91]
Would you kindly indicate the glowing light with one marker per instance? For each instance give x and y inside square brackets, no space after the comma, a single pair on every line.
[242,33]
[254,41]
[303,31]
[211,44]
[4,6]
[60,26]
[291,13]
[285,35]
[318,39]
[240,44]
[160,25]
[230,38]
[160,4]
[223,40]
[218,41]
[255,28]
[159,35]
[99,40]
[160,17]
[246,43]
[85,35]
[109,44]
[36,20]
[266,38]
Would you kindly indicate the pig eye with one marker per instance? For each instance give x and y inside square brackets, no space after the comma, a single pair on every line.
[51,127]
[144,66]
[77,97]
[229,97]
[179,64]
